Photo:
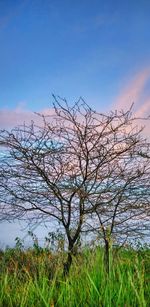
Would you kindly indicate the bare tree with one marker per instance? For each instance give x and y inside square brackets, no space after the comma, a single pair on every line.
[120,196]
[78,166]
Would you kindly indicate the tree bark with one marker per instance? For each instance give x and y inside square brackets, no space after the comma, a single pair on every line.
[68,263]
[107,256]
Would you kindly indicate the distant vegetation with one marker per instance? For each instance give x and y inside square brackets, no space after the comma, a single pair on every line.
[34,277]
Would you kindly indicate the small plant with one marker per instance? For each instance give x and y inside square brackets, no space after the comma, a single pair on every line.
[55,241]
[19,244]
[37,248]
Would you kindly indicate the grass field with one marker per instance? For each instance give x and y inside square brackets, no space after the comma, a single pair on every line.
[34,278]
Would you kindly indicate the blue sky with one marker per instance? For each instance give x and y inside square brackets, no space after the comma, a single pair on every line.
[99,50]
[71,48]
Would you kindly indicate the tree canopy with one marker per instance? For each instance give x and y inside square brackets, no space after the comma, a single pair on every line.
[87,170]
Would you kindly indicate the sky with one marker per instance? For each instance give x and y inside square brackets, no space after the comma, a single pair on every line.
[99,50]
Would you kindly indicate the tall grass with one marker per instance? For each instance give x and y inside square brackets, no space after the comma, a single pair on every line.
[35,279]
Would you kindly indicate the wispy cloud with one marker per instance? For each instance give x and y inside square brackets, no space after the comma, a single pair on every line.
[134,92]
[19,115]
[144,110]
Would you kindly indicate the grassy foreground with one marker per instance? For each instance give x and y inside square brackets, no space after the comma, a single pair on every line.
[34,278]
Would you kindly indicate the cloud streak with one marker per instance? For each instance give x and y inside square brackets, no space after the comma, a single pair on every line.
[18,116]
[135,92]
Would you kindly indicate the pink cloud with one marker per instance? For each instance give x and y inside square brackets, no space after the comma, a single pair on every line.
[144,109]
[133,92]
[18,116]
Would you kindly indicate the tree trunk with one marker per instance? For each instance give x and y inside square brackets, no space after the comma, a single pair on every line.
[107,256]
[68,263]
